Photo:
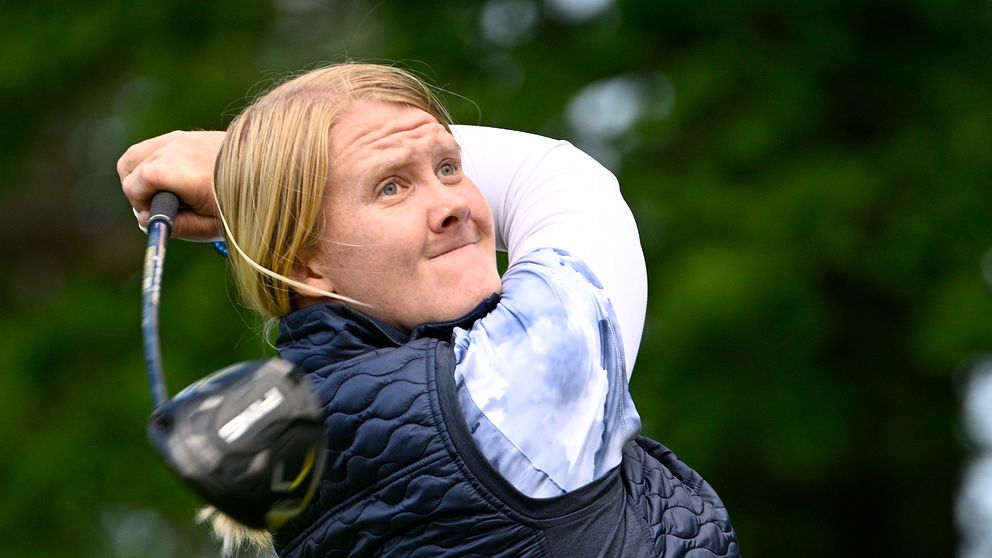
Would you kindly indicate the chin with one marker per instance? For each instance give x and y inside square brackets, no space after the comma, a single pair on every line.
[455,294]
[485,286]
[468,297]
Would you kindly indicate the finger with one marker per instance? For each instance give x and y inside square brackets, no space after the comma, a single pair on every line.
[140,152]
[184,178]
[193,226]
[141,184]
[187,225]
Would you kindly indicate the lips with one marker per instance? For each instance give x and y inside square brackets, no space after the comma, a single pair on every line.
[449,247]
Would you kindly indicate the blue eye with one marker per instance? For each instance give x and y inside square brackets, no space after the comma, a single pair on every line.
[390,189]
[447,169]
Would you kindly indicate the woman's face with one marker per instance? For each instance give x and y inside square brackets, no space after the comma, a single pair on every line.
[405,230]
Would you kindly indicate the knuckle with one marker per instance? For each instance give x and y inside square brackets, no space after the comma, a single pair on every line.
[124,164]
[149,174]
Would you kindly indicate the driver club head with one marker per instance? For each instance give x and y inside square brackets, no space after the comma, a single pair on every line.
[247,438]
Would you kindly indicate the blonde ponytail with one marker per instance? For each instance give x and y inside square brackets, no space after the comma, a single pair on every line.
[235,536]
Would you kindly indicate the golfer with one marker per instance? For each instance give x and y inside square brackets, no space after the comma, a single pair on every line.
[467,414]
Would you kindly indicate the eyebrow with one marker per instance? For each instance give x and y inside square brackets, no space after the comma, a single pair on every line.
[450,145]
[390,164]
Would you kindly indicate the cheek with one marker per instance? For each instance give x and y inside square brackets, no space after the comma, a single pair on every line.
[355,238]
[366,266]
[482,215]
[371,263]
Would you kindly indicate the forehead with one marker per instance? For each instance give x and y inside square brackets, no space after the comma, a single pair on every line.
[375,133]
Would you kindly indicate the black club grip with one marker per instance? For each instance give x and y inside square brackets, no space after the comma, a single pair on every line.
[165,205]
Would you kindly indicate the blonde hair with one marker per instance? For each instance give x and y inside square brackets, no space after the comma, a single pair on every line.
[272,172]
[270,181]
[235,536]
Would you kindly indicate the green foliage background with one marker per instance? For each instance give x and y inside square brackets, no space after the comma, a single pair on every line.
[810,180]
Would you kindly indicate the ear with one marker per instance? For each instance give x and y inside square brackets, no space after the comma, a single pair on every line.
[306,272]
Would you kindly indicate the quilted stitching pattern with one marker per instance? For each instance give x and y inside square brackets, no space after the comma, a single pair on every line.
[393,487]
[380,432]
[683,513]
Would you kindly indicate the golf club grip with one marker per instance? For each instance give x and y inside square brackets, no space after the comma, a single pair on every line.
[164,207]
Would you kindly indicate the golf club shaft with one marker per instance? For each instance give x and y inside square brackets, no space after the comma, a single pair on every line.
[164,207]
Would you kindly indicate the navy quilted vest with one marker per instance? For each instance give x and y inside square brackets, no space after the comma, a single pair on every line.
[404,477]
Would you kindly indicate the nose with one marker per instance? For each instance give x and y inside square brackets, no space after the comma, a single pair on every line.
[449,209]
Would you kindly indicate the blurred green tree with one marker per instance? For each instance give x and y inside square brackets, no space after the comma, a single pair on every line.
[810,180]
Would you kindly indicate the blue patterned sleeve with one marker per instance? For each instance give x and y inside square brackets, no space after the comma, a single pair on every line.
[541,380]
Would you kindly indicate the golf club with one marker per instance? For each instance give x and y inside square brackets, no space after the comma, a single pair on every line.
[247,438]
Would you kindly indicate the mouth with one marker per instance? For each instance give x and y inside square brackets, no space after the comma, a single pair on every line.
[454,247]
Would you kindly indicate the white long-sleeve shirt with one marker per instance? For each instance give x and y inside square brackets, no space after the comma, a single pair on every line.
[542,380]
